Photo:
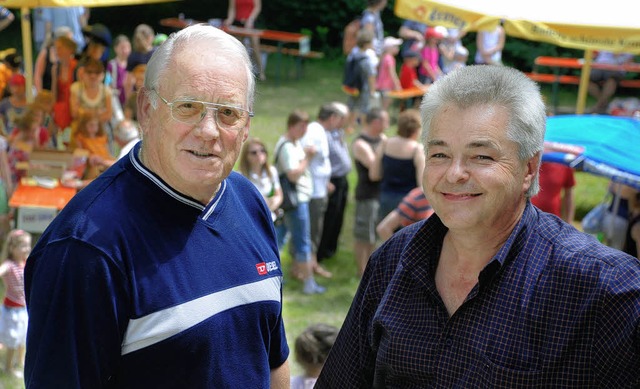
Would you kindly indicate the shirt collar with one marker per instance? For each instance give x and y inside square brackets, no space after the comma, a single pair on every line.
[422,252]
[157,181]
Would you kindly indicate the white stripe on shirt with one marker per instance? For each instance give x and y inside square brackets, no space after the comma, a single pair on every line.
[161,325]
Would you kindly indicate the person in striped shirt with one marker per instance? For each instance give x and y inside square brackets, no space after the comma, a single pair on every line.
[13,320]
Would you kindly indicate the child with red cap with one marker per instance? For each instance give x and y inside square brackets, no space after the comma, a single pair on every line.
[430,68]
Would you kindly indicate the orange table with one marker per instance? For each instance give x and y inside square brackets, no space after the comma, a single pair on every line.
[36,196]
[407,93]
[37,206]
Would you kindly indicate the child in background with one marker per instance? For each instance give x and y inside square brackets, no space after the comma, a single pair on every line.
[28,134]
[90,95]
[312,347]
[409,77]
[13,320]
[430,70]
[117,67]
[387,74]
[44,101]
[30,129]
[92,137]
[459,59]
[359,101]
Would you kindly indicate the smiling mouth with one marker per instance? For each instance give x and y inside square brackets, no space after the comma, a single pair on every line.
[460,195]
[200,155]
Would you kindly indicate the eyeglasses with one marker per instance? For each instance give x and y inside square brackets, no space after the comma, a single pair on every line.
[192,112]
[259,151]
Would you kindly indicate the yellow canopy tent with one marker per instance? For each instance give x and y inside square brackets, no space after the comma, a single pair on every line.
[611,26]
[25,7]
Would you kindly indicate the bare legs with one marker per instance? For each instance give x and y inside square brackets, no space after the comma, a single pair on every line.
[14,360]
[362,251]
[603,95]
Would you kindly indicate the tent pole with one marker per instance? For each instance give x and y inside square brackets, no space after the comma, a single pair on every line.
[584,82]
[27,51]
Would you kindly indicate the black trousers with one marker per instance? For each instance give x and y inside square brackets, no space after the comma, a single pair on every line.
[333,218]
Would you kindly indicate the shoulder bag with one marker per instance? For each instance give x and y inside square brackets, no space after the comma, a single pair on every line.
[289,191]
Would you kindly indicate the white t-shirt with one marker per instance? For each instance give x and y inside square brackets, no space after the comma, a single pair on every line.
[319,166]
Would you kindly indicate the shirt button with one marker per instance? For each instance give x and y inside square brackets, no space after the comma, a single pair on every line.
[449,342]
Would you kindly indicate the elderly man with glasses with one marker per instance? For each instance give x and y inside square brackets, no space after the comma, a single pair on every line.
[164,272]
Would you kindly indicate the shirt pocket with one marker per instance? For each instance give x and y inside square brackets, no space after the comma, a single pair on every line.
[495,375]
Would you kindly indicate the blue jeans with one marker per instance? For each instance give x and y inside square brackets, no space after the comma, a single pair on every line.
[296,222]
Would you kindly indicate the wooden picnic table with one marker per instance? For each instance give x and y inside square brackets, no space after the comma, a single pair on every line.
[559,63]
[281,38]
[578,63]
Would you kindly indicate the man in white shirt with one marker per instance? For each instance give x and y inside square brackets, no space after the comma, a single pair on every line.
[329,117]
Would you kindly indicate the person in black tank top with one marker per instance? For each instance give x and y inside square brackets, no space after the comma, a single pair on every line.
[367,191]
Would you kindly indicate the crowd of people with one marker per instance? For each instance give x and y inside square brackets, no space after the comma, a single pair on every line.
[447,239]
[82,97]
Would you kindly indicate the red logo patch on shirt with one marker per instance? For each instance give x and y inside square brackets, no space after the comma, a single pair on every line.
[266,267]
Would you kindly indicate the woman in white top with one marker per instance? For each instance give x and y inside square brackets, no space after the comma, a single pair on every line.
[490,46]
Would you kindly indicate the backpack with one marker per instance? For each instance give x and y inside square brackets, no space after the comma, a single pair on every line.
[350,34]
[354,77]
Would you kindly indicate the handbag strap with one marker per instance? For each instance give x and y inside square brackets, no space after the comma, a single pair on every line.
[275,161]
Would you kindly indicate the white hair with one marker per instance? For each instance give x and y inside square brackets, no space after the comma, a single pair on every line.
[498,85]
[225,45]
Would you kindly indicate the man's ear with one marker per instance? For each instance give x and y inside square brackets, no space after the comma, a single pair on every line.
[533,168]
[144,108]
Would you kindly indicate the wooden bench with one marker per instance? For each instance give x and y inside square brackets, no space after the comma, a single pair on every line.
[567,79]
[295,53]
[630,83]
[292,52]
[574,80]
[554,78]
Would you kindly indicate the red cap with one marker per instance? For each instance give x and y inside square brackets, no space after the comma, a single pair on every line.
[17,79]
[433,32]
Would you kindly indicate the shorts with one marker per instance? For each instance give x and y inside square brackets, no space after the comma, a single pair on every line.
[364,226]
[13,326]
[599,75]
[360,102]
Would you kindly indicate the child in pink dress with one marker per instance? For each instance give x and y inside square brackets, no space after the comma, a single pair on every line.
[430,68]
[387,74]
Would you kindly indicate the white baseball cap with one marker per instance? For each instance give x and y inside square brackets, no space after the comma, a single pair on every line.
[392,41]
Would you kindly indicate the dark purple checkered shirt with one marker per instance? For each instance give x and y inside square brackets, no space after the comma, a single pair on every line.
[554,308]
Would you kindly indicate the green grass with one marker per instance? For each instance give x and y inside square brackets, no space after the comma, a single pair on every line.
[319,84]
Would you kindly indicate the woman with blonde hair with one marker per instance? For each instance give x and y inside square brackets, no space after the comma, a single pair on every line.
[90,95]
[254,164]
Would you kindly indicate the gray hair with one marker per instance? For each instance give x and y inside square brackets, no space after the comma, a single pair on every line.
[226,45]
[494,85]
[333,108]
